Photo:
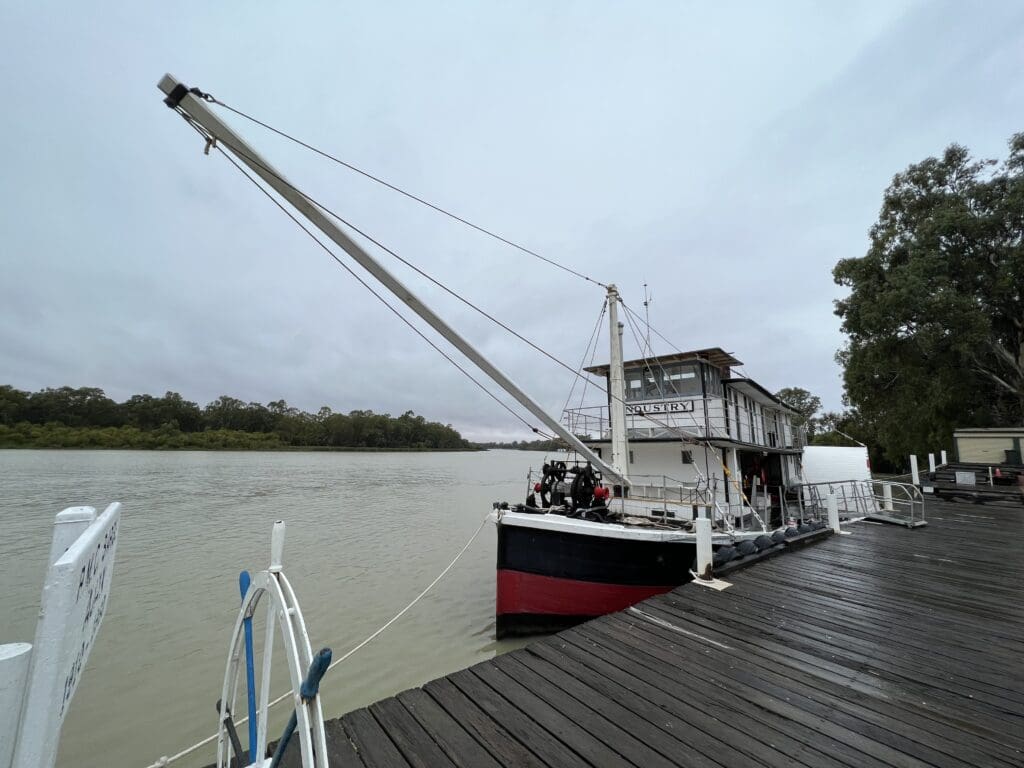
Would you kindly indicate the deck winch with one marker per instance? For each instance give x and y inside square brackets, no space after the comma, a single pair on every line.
[583,496]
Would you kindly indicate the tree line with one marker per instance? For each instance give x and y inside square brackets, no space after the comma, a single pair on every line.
[934,317]
[86,417]
[527,445]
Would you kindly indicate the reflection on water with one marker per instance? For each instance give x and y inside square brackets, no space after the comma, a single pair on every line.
[366,532]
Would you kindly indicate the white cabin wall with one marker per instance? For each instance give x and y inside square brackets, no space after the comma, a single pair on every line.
[665,459]
[716,417]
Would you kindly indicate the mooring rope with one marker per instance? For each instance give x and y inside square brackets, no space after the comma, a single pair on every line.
[165,761]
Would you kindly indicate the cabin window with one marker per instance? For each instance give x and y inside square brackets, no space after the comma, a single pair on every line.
[687,457]
[712,381]
[664,381]
[630,455]
[641,384]
[597,452]
[681,380]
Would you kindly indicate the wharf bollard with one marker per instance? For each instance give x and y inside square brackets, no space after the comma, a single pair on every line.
[887,497]
[704,553]
[833,511]
[915,476]
[931,463]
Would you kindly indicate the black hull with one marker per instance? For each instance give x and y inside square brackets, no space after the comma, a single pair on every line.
[551,580]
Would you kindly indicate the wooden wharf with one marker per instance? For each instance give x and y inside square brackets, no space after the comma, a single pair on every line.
[885,647]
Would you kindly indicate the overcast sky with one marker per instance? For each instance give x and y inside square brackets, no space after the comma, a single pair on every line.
[727,154]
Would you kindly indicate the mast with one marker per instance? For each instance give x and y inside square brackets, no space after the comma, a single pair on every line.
[197,110]
[617,387]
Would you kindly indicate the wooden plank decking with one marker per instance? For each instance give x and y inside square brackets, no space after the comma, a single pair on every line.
[887,647]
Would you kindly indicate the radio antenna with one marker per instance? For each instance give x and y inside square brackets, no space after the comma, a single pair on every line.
[647,320]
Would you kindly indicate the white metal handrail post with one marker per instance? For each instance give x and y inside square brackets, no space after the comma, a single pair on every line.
[284,619]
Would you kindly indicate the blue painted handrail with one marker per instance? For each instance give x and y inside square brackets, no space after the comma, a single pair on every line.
[250,673]
[307,691]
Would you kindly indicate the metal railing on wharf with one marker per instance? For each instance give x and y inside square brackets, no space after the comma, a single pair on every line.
[880,500]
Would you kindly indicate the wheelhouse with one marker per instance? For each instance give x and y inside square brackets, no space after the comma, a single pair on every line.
[690,419]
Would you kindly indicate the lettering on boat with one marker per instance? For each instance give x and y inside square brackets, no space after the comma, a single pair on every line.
[680,406]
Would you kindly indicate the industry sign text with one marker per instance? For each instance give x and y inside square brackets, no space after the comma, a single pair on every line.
[683,406]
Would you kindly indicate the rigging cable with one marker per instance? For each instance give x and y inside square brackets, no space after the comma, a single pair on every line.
[433,206]
[212,142]
[650,327]
[370,288]
[593,354]
[591,343]
[409,195]
[381,245]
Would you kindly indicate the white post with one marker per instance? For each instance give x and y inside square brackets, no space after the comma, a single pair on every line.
[833,511]
[931,462]
[990,477]
[14,661]
[617,388]
[67,527]
[753,504]
[943,458]
[736,481]
[887,497]
[915,476]
[277,547]
[704,553]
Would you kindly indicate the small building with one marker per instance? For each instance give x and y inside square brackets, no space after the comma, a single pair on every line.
[994,445]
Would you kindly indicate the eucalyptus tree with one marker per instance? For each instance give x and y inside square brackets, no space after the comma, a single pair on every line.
[935,316]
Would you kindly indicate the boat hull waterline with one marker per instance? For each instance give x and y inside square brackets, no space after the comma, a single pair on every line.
[551,579]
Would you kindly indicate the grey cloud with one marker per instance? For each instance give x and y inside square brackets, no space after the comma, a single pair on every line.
[726,156]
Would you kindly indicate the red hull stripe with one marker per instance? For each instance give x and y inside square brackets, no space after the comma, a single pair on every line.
[520,592]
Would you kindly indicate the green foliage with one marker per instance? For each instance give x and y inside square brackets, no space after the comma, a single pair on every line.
[527,445]
[935,316]
[87,418]
[803,401]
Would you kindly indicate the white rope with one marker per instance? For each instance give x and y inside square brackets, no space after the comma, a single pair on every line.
[165,761]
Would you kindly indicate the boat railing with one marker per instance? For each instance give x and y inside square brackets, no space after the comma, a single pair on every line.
[878,499]
[670,490]
[705,418]
[769,507]
[658,496]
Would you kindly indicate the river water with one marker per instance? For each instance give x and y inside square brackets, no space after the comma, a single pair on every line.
[365,533]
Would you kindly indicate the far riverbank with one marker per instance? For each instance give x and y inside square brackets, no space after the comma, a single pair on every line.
[58,436]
